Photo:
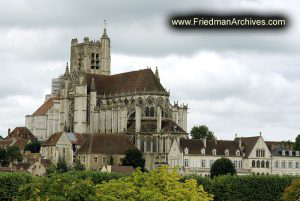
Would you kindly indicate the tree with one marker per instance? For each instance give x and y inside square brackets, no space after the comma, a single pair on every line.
[159,184]
[297,143]
[78,166]
[134,158]
[222,166]
[51,169]
[33,147]
[3,158]
[292,192]
[198,132]
[13,153]
[62,165]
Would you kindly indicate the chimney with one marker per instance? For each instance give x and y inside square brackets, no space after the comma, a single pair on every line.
[204,141]
[8,131]
[260,133]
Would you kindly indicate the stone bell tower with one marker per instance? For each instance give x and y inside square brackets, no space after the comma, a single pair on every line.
[91,56]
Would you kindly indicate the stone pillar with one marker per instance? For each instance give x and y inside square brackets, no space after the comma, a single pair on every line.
[138,118]
[158,119]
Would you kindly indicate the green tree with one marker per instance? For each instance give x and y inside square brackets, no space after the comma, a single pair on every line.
[222,166]
[78,166]
[33,147]
[292,192]
[62,165]
[134,158]
[157,185]
[3,158]
[13,153]
[198,132]
[51,169]
[297,143]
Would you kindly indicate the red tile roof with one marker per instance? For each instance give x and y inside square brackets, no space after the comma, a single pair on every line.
[53,139]
[106,143]
[21,133]
[21,143]
[141,80]
[43,109]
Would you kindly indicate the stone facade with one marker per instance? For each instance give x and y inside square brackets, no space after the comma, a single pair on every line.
[250,155]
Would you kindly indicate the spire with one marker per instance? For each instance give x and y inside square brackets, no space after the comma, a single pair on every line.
[67,72]
[93,88]
[105,26]
[104,35]
[156,73]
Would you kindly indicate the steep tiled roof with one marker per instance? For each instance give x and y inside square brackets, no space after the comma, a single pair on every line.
[195,145]
[4,144]
[21,133]
[167,126]
[122,169]
[21,143]
[248,144]
[52,140]
[103,143]
[43,109]
[141,80]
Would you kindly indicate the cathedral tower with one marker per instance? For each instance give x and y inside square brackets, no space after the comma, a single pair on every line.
[91,56]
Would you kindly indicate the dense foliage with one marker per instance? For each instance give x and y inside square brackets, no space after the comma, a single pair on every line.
[62,165]
[246,188]
[12,154]
[78,166]
[222,166]
[33,147]
[3,158]
[297,143]
[9,184]
[198,132]
[292,192]
[134,158]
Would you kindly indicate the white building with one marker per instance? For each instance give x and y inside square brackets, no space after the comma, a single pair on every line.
[45,120]
[250,155]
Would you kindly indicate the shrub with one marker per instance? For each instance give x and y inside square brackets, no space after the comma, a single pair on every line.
[246,188]
[292,192]
[10,183]
[78,166]
[134,158]
[222,166]
[156,185]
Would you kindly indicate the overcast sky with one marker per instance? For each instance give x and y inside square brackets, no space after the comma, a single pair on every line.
[239,82]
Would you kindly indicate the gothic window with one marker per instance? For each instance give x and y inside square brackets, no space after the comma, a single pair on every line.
[262,153]
[253,163]
[97,61]
[258,164]
[148,145]
[267,164]
[263,164]
[142,145]
[92,61]
[257,152]
[132,115]
[164,145]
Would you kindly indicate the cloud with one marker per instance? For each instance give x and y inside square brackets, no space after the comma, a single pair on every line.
[235,82]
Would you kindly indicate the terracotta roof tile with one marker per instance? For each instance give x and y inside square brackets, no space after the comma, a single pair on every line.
[21,133]
[43,109]
[122,169]
[4,144]
[248,144]
[21,143]
[104,143]
[52,140]
[141,80]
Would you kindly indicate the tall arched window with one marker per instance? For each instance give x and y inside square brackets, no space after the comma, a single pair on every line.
[267,164]
[263,153]
[258,164]
[263,164]
[253,163]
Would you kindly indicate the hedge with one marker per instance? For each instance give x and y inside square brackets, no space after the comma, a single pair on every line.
[95,176]
[10,183]
[246,188]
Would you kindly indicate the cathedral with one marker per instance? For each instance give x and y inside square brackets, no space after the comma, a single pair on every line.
[91,100]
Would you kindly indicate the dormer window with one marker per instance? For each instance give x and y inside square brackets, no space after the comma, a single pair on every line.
[226,152]
[203,151]
[290,153]
[186,151]
[283,152]
[297,153]
[214,152]
[237,153]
